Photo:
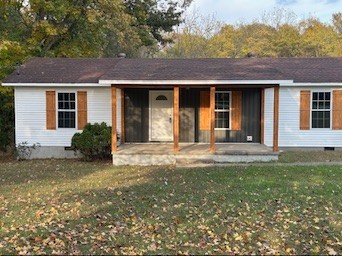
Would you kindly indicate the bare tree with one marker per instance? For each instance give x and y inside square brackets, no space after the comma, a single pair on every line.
[278,17]
[337,21]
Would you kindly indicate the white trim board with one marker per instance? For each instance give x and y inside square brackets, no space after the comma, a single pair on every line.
[108,83]
[56,84]
[311,84]
[192,82]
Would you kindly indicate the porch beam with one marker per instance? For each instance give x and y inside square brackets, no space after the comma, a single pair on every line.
[262,117]
[195,86]
[212,119]
[114,140]
[176,119]
[276,119]
[122,115]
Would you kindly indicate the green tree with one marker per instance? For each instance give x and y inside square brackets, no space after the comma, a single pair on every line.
[88,28]
[154,18]
[320,40]
[188,45]
[11,53]
[287,41]
[76,28]
[277,34]
[225,43]
[79,28]
[256,38]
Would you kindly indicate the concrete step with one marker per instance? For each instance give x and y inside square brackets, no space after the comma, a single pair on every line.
[236,158]
[182,159]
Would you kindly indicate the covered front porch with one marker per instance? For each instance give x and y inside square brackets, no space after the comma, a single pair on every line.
[191,153]
[147,153]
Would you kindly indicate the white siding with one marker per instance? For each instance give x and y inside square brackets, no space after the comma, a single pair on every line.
[289,133]
[268,117]
[30,114]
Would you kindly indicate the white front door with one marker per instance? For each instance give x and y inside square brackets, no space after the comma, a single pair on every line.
[161,116]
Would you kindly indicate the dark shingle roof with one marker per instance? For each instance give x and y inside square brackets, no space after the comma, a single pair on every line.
[309,70]
[193,69]
[63,70]
[315,70]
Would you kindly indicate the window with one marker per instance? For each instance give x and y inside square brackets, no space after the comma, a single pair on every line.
[161,97]
[222,110]
[321,107]
[66,110]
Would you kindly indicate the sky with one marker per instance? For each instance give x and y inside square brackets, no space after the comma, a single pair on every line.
[236,11]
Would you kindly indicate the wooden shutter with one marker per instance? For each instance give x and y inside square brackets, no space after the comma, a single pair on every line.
[50,110]
[82,115]
[236,110]
[204,110]
[305,100]
[337,110]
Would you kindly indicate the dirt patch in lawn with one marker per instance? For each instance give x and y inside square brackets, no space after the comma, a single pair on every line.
[6,157]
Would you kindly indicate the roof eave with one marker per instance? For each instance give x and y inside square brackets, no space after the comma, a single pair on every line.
[192,82]
[316,84]
[54,84]
[107,83]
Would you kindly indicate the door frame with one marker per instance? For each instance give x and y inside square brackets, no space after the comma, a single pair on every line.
[150,113]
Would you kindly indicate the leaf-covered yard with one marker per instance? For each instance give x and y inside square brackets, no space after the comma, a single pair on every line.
[71,207]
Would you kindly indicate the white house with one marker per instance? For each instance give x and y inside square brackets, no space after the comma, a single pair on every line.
[276,102]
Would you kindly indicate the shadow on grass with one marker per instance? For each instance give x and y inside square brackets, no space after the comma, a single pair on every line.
[214,210]
[30,171]
[302,156]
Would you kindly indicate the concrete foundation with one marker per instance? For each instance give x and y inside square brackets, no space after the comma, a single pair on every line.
[310,148]
[162,154]
[52,152]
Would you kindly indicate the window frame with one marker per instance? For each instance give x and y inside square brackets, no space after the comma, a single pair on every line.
[66,110]
[321,110]
[220,110]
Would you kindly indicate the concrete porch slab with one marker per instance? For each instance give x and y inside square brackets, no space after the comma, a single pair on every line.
[162,154]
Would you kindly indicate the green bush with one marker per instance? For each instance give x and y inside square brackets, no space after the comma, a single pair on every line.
[6,118]
[94,142]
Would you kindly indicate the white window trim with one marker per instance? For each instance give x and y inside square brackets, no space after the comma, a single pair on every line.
[330,110]
[229,111]
[63,110]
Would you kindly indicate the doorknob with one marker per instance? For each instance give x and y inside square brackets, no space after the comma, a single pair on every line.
[170,119]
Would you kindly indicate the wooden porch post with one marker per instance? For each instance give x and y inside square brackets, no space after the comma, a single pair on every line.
[262,117]
[176,119]
[114,140]
[276,119]
[122,115]
[212,119]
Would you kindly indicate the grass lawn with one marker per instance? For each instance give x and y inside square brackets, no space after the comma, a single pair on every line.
[72,207]
[297,156]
